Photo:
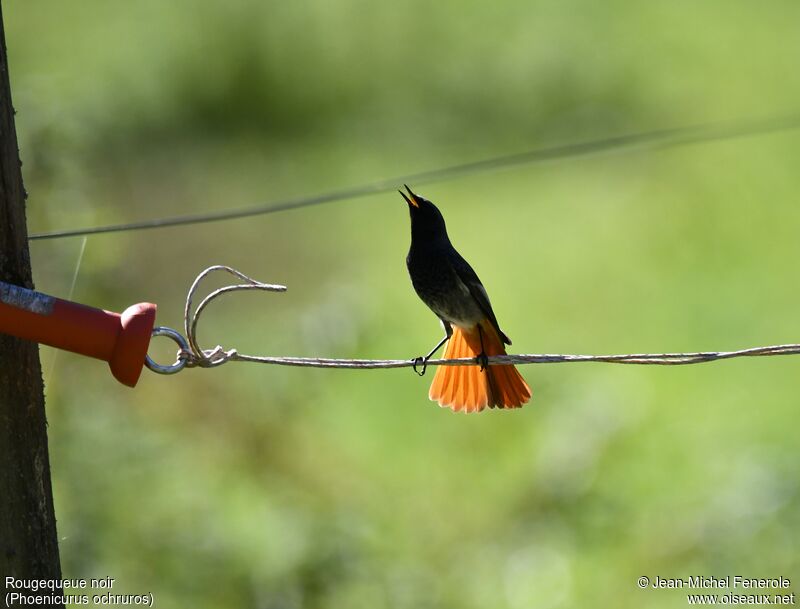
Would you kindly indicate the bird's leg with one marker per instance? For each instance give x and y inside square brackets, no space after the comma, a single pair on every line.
[482,360]
[424,360]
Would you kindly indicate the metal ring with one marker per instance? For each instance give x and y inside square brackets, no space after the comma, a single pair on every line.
[183,352]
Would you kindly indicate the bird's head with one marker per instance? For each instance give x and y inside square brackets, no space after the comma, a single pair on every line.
[426,219]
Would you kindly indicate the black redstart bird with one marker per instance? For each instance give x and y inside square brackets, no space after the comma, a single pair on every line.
[448,285]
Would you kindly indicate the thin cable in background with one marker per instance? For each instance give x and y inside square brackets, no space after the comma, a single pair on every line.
[649,140]
[48,377]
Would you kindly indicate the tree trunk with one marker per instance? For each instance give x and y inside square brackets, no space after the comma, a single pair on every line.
[28,541]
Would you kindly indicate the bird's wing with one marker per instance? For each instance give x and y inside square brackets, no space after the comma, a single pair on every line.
[478,292]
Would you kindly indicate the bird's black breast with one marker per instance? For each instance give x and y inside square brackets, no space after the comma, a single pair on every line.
[439,286]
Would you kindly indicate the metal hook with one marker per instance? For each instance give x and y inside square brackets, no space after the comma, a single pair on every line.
[190,353]
[183,355]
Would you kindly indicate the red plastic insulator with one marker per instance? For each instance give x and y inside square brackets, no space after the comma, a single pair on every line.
[119,339]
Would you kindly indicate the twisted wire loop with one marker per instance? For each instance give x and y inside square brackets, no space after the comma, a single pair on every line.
[195,355]
[192,355]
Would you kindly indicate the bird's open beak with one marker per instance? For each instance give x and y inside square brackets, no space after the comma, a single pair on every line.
[412,200]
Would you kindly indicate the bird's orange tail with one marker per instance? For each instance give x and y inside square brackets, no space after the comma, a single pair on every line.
[467,388]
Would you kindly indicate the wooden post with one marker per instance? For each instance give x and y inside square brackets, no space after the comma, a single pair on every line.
[28,541]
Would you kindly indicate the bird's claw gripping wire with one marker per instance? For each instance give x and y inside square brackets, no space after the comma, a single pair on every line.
[417,361]
[423,359]
[482,360]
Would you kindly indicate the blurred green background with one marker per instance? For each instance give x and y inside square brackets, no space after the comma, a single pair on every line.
[257,486]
